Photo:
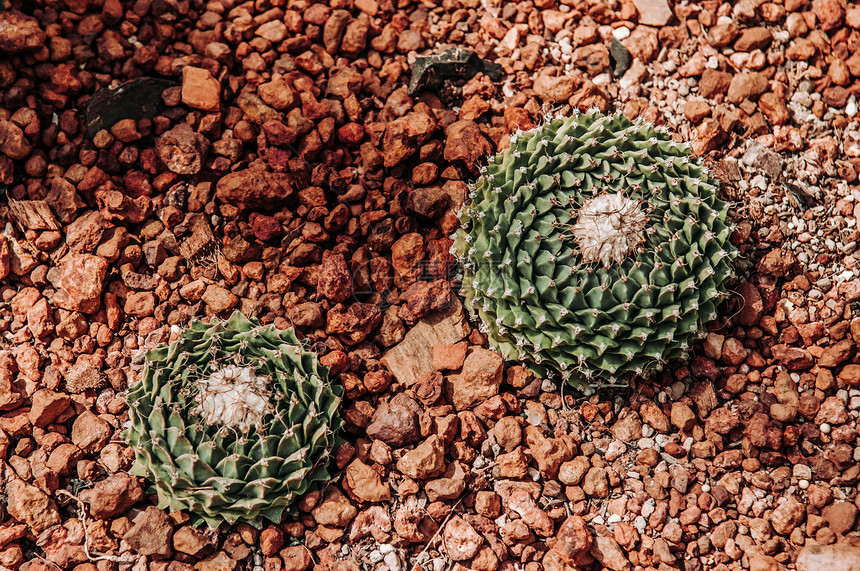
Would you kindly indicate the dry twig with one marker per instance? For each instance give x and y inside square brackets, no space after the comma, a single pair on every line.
[93,556]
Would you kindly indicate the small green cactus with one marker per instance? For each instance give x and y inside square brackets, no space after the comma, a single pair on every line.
[233,421]
[594,247]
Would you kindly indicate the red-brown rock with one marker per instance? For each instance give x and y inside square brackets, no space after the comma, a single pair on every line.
[30,505]
[427,460]
[80,283]
[255,189]
[200,90]
[395,422]
[365,483]
[151,534]
[182,149]
[460,540]
[404,136]
[573,539]
[746,85]
[13,143]
[335,282]
[90,432]
[479,380]
[753,306]
[714,83]
[465,142]
[46,406]
[787,516]
[113,496]
[830,13]
[19,32]
[552,85]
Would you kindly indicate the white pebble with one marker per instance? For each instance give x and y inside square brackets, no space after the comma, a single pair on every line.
[393,562]
[825,428]
[648,507]
[602,79]
[643,443]
[802,471]
[803,484]
[781,36]
[386,548]
[621,32]
[706,488]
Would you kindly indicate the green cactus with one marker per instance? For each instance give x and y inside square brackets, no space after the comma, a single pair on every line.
[594,247]
[233,421]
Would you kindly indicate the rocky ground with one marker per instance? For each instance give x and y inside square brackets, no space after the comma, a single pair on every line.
[286,171]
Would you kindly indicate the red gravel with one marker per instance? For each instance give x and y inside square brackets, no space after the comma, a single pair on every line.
[288,174]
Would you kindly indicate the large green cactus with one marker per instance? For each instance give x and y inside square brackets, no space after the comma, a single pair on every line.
[233,421]
[595,247]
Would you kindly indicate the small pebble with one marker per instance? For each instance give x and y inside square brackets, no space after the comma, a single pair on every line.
[548,386]
[851,107]
[393,562]
[621,32]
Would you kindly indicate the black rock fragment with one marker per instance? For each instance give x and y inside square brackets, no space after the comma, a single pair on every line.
[431,72]
[620,57]
[137,99]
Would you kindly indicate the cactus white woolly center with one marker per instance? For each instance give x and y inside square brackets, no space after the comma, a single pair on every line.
[234,397]
[608,228]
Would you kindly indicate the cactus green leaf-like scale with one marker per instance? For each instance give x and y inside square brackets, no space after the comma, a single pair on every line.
[594,247]
[233,421]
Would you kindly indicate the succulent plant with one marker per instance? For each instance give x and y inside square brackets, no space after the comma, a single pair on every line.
[233,421]
[594,247]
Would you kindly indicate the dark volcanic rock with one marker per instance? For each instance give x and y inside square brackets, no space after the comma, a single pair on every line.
[455,64]
[137,99]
